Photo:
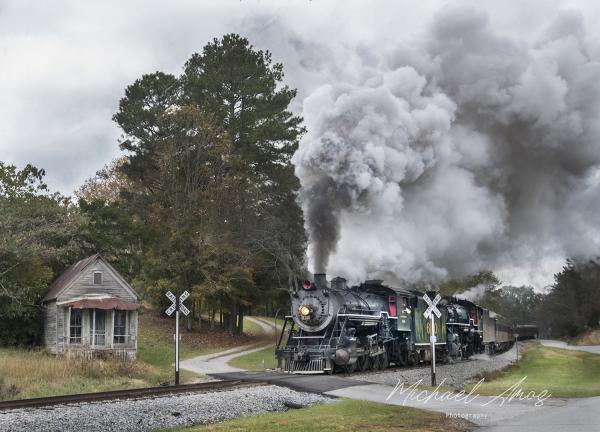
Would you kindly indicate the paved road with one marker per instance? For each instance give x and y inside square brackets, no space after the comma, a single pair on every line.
[555,415]
[218,362]
[595,349]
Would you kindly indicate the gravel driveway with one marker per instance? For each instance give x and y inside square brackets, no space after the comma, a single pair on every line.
[155,413]
[456,374]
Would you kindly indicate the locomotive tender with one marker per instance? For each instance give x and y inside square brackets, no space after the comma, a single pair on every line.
[368,326]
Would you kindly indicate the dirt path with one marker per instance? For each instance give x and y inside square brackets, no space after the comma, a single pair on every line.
[218,362]
[266,326]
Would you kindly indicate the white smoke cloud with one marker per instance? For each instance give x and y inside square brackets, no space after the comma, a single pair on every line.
[469,149]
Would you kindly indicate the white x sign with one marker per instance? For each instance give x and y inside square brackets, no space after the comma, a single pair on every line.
[173,307]
[432,306]
[170,310]
[183,309]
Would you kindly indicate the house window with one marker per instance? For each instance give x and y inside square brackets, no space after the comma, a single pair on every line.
[75,326]
[97,278]
[98,328]
[120,331]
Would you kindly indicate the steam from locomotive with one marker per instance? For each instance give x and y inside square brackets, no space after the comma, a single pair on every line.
[468,148]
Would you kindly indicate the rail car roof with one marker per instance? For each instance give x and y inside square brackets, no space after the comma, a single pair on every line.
[379,283]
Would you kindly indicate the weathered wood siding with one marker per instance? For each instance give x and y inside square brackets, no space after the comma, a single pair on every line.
[50,318]
[84,284]
[57,317]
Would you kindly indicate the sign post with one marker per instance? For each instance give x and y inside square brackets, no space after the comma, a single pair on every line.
[429,313]
[177,307]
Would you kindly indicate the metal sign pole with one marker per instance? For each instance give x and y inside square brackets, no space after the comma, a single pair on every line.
[176,307]
[432,351]
[177,343]
[431,312]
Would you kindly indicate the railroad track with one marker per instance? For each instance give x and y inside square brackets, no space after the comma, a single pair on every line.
[205,387]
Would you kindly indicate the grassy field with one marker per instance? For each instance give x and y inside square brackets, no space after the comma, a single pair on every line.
[343,415]
[563,373]
[25,374]
[256,361]
[30,373]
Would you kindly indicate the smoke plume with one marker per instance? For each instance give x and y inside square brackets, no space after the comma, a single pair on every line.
[466,149]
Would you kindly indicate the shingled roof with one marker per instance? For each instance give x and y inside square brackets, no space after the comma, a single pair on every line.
[68,275]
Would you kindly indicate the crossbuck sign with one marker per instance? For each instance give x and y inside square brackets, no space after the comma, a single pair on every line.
[429,313]
[177,307]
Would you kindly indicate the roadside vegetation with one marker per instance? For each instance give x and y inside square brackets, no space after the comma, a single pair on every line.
[343,415]
[563,373]
[591,337]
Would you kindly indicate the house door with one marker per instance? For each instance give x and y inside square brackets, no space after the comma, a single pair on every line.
[98,328]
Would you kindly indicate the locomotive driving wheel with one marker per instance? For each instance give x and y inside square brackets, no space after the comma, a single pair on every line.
[376,363]
[362,363]
[349,368]
[384,361]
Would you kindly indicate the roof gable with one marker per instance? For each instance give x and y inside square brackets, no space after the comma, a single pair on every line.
[75,271]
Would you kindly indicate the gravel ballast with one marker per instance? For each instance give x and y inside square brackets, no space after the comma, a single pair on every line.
[456,374]
[155,413]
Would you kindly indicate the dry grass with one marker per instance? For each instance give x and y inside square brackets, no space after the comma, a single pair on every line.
[26,373]
[589,338]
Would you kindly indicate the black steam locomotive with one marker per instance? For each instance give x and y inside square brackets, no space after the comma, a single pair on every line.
[368,326]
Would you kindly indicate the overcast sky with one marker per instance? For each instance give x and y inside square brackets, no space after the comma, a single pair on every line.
[65,64]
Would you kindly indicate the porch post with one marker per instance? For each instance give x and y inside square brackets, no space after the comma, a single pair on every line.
[93,328]
[68,325]
[112,329]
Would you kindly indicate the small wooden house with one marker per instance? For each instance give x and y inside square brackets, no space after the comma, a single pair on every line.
[90,310]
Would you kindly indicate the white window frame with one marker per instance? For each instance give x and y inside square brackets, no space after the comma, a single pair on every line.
[125,335]
[94,278]
[71,337]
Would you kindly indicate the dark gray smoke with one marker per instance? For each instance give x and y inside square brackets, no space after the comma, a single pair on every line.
[468,148]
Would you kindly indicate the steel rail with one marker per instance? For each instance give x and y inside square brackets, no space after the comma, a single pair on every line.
[136,393]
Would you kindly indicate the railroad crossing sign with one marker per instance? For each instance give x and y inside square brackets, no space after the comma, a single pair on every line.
[432,306]
[177,307]
[429,313]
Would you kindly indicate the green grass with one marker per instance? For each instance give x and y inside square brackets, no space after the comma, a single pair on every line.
[562,372]
[252,328]
[342,416]
[272,320]
[256,361]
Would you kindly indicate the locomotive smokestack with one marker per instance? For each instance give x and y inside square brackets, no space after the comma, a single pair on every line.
[321,280]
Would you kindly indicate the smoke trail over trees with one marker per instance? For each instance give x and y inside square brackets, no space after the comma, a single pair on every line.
[467,149]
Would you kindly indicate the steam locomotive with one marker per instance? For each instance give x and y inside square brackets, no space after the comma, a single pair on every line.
[336,327]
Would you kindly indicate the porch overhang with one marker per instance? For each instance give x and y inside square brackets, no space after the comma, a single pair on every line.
[110,303]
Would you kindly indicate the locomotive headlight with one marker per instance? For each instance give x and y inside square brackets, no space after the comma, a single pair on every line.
[304,310]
